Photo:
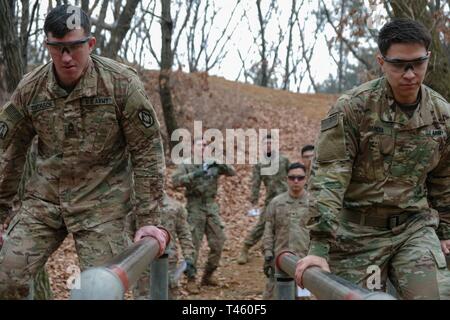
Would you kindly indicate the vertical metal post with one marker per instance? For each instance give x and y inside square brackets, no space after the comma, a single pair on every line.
[284,286]
[159,278]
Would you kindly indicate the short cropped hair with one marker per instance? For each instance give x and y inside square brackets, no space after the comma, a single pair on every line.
[296,165]
[59,20]
[403,30]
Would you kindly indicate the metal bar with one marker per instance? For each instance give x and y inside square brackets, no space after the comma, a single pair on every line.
[111,281]
[327,286]
[284,286]
[159,278]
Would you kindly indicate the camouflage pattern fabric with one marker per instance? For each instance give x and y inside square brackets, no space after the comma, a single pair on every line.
[274,185]
[285,229]
[374,162]
[174,219]
[203,211]
[83,178]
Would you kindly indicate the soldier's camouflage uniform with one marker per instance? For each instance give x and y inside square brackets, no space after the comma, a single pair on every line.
[40,285]
[174,219]
[274,184]
[285,229]
[83,179]
[380,190]
[203,210]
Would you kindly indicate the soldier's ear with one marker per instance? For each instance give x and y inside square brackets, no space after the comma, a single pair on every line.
[92,41]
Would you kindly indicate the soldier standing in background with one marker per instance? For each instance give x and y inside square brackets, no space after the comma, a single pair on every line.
[90,115]
[174,219]
[380,189]
[285,228]
[201,183]
[274,184]
[307,154]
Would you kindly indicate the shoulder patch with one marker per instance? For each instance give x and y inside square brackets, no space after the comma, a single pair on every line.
[146,118]
[3,130]
[330,122]
[13,113]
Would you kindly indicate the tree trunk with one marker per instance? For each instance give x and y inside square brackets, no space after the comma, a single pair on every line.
[24,31]
[438,76]
[166,70]
[123,25]
[10,44]
[264,62]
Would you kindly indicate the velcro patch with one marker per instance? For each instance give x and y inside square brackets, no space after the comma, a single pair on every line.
[435,133]
[13,114]
[39,106]
[146,118]
[330,122]
[3,129]
[95,101]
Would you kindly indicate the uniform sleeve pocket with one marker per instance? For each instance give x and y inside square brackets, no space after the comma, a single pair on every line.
[331,142]
[439,257]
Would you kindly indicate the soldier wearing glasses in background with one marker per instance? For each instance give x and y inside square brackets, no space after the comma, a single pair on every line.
[380,188]
[91,116]
[286,217]
[307,154]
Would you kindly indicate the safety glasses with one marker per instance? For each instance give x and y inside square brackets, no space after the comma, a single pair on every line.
[70,47]
[298,178]
[402,66]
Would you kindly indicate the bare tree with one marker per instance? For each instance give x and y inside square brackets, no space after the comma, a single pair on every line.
[167,57]
[211,50]
[10,45]
[121,28]
[288,68]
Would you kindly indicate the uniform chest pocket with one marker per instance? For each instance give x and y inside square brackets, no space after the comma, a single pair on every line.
[415,154]
[100,126]
[375,157]
[46,122]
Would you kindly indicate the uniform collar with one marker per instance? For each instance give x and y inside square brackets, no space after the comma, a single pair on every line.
[390,111]
[86,87]
[292,200]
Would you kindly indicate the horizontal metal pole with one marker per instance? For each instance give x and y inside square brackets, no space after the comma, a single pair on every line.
[325,285]
[111,281]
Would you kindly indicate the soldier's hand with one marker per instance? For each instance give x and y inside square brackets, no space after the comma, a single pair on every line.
[268,266]
[307,262]
[445,246]
[158,234]
[191,270]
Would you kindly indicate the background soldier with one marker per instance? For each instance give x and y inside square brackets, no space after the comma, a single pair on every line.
[285,227]
[89,115]
[380,188]
[274,184]
[307,154]
[174,219]
[201,183]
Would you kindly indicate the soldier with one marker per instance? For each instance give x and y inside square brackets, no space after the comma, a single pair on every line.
[174,219]
[274,184]
[380,188]
[90,115]
[307,153]
[285,227]
[201,183]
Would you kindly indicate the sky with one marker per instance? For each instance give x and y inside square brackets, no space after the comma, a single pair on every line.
[242,39]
